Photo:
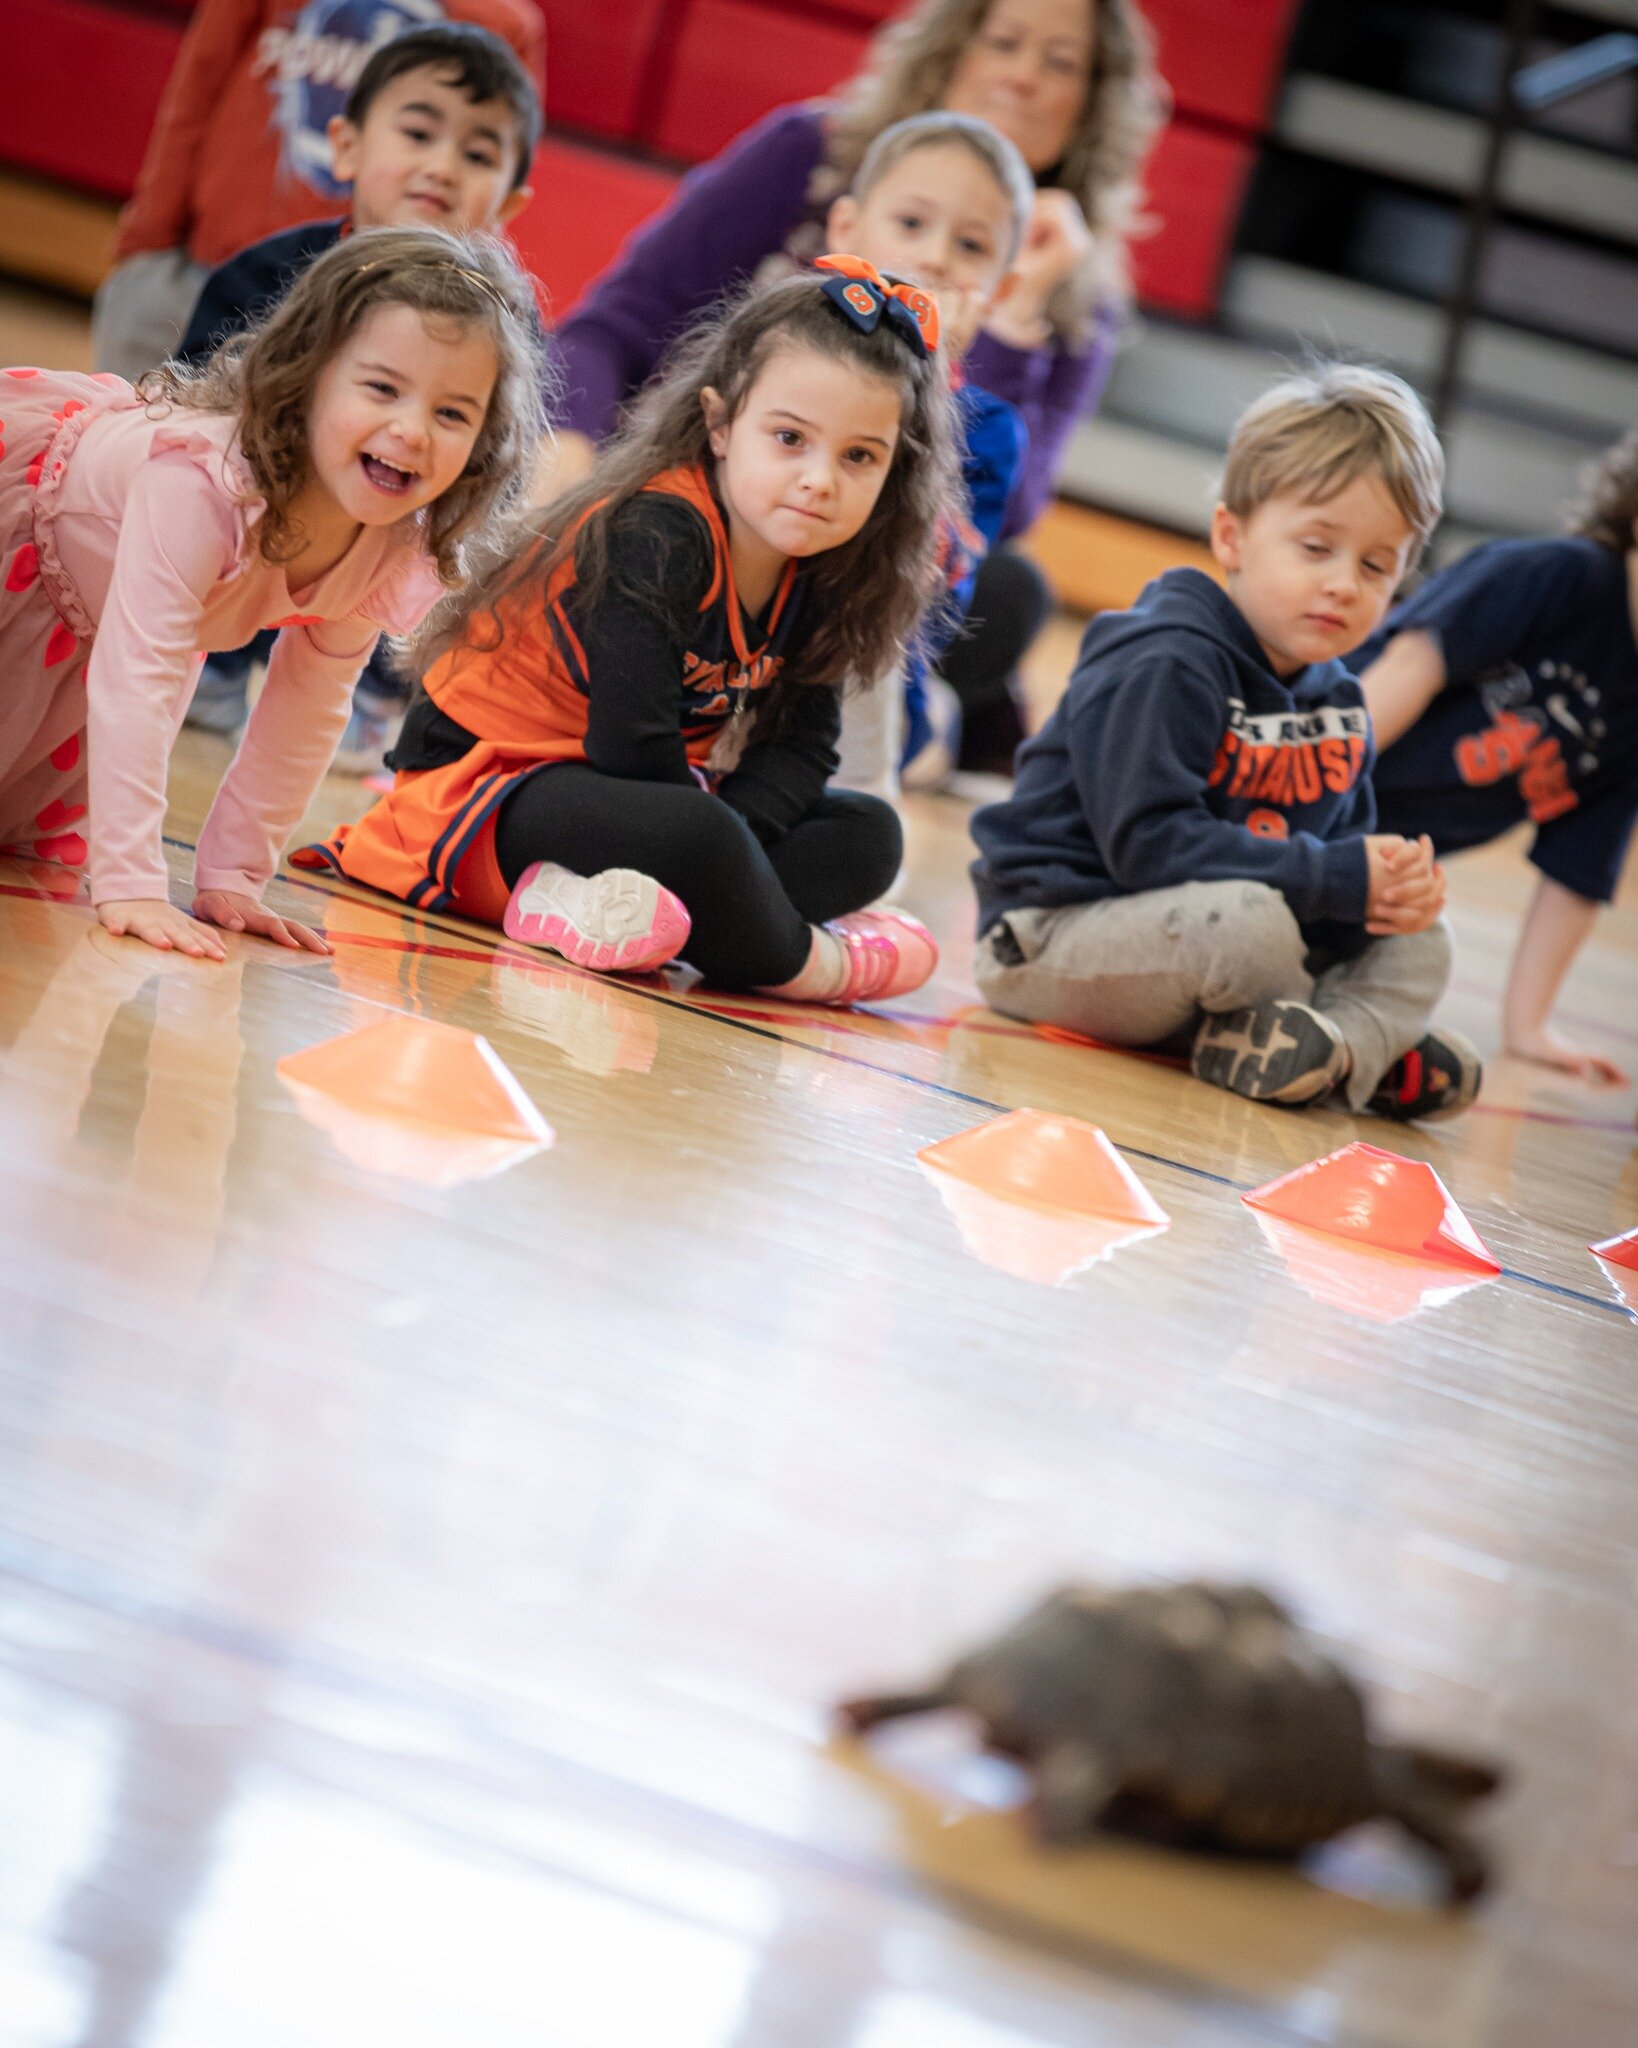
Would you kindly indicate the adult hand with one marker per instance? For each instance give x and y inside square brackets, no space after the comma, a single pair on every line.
[1547,1048]
[1056,242]
[238,913]
[161,925]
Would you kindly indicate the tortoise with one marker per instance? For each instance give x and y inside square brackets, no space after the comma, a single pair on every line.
[1200,1716]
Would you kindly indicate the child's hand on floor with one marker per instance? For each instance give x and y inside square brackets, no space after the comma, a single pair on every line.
[161,925]
[236,913]
[1405,890]
[1548,1049]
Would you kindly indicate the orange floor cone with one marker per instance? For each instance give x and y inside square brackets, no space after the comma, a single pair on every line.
[1048,1246]
[1373,1286]
[1377,1198]
[427,1101]
[1054,1165]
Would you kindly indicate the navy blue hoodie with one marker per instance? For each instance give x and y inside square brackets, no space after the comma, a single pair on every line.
[1177,755]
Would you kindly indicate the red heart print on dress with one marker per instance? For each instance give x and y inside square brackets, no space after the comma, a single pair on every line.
[70,849]
[57,814]
[67,755]
[25,566]
[60,646]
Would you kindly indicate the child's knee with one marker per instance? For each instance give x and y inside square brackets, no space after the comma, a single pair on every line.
[1252,945]
[1426,959]
[879,845]
[710,839]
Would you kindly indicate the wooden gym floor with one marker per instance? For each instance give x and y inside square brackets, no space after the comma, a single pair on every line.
[419,1605]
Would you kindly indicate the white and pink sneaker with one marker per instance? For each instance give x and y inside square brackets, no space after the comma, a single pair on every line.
[618,922]
[889,953]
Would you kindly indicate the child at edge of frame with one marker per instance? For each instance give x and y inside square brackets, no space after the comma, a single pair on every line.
[322,476]
[1505,690]
[1189,860]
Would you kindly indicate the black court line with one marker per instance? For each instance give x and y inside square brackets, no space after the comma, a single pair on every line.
[887,1073]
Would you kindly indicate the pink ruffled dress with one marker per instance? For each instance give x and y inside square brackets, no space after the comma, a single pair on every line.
[128,552]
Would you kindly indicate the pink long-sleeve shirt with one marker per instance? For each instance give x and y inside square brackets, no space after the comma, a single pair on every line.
[152,525]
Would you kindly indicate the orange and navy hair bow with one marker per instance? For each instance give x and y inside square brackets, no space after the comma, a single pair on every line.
[867,298]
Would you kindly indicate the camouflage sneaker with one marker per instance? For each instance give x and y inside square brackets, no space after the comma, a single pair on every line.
[1274,1052]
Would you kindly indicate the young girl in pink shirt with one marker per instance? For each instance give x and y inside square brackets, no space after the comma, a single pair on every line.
[324,474]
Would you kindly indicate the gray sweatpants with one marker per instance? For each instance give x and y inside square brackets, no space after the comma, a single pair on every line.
[142,310]
[1140,970]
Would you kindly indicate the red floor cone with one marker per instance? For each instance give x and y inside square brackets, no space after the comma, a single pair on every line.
[428,1102]
[1620,1257]
[1053,1162]
[1377,1198]
[1618,1251]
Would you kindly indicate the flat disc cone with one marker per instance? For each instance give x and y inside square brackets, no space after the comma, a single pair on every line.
[1377,1198]
[1056,1162]
[1618,1251]
[1047,1246]
[1374,1286]
[432,1073]
[406,1148]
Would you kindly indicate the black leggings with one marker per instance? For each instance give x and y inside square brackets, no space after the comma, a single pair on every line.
[1012,601]
[751,906]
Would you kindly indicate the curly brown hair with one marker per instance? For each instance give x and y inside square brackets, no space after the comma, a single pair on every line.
[909,69]
[866,595]
[1608,504]
[265,376]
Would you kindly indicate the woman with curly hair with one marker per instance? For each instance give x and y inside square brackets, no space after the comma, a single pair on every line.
[324,474]
[1072,84]
[1506,690]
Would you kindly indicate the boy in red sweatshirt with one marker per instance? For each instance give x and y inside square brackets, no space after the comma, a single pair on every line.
[240,149]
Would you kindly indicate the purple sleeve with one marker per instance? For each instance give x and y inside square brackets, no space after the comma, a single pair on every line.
[1052,388]
[724,219]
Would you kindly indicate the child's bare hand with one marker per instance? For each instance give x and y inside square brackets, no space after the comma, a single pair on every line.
[161,925]
[238,913]
[1545,1046]
[1406,888]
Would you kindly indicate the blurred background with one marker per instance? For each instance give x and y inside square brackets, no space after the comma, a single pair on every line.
[1314,187]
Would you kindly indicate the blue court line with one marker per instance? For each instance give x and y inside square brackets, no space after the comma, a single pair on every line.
[847,1059]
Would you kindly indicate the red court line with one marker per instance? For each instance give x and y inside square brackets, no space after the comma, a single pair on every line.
[837,1025]
[844,1027]
[1547,1116]
[42,895]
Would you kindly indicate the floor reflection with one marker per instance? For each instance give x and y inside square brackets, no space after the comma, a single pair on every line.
[161,1229]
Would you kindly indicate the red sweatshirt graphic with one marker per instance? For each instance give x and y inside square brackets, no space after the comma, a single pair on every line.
[238,148]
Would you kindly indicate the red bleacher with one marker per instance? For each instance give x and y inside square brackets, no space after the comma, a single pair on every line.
[675,79]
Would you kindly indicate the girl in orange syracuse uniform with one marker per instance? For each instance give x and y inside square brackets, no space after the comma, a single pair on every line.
[625,732]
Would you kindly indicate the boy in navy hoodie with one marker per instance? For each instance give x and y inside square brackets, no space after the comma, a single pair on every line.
[1188,860]
[1507,690]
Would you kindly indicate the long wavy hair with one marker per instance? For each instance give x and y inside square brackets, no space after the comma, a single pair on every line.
[864,597]
[265,377]
[1608,504]
[908,71]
